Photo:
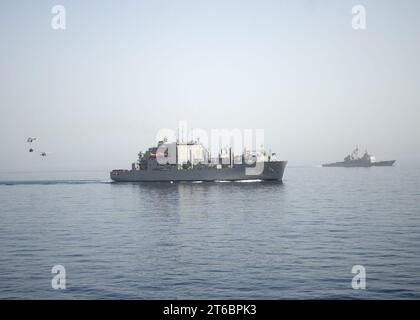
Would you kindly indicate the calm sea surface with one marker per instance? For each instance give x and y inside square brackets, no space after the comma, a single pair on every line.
[252,240]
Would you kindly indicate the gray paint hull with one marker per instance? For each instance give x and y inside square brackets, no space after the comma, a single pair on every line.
[272,171]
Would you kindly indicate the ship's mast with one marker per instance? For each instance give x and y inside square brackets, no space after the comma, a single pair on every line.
[355,153]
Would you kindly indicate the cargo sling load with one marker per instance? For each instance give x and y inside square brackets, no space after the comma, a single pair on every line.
[353,160]
[191,161]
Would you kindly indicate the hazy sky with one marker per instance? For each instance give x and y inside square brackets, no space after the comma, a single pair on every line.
[98,92]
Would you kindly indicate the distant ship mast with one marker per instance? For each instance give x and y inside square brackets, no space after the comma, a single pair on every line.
[355,153]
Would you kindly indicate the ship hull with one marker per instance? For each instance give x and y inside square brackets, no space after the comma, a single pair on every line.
[389,163]
[273,170]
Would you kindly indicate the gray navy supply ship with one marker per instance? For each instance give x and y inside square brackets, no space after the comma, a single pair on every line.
[191,161]
[353,160]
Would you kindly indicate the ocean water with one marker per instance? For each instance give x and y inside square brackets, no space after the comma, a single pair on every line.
[238,240]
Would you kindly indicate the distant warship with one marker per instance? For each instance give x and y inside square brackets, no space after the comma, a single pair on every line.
[353,160]
[191,161]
